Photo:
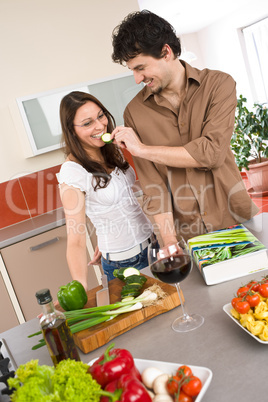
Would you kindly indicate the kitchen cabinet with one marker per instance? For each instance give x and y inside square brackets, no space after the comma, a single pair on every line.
[8,315]
[40,262]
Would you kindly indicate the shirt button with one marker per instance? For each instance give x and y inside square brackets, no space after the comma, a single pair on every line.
[204,213]
[198,192]
[189,169]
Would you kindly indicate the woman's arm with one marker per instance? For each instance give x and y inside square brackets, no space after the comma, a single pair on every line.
[73,201]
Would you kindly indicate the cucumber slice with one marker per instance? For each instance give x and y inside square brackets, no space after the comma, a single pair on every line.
[106,137]
[123,273]
[131,271]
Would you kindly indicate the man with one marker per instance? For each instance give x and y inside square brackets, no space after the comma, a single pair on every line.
[178,130]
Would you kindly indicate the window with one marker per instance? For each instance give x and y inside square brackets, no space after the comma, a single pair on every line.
[256,43]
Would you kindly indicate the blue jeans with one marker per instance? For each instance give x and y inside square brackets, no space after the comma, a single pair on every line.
[139,261]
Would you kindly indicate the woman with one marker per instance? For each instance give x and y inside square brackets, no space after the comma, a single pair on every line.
[96,181]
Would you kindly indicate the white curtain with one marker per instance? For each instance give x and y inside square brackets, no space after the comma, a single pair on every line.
[256,40]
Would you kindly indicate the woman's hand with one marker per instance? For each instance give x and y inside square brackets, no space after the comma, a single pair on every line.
[96,260]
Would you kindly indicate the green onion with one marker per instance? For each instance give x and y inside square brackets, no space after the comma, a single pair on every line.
[78,320]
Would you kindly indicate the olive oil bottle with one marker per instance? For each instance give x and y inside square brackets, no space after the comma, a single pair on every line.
[56,332]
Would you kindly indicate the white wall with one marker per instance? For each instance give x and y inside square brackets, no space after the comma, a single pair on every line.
[220,46]
[47,44]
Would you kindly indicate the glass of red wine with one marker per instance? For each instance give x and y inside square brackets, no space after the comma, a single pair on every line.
[172,264]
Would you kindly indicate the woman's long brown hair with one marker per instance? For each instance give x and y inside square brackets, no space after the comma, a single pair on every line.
[72,145]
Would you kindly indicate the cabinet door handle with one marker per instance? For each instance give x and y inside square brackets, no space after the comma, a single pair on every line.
[45,244]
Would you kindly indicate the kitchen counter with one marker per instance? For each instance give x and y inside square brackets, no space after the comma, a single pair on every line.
[31,227]
[219,344]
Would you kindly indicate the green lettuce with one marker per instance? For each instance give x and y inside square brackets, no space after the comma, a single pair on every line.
[69,381]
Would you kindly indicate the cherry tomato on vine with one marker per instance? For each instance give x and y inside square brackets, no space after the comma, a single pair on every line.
[192,387]
[242,291]
[184,371]
[242,307]
[185,398]
[255,286]
[263,289]
[173,385]
[234,300]
[253,300]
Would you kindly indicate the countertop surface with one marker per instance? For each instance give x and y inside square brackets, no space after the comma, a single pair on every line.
[219,344]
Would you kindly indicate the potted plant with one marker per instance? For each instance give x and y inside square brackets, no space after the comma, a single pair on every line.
[249,144]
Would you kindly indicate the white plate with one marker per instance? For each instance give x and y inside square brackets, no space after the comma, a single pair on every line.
[203,373]
[227,308]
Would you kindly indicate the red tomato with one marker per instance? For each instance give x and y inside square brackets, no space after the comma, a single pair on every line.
[242,291]
[253,299]
[242,307]
[263,290]
[193,386]
[173,385]
[255,286]
[184,371]
[234,300]
[185,398]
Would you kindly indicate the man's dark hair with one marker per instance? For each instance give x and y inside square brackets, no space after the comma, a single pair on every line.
[143,32]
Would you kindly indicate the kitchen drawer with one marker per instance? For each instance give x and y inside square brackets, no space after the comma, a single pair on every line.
[8,316]
[36,263]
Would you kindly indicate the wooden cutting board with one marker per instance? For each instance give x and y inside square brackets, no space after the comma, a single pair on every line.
[97,336]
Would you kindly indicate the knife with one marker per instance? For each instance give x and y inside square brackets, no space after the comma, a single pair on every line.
[102,296]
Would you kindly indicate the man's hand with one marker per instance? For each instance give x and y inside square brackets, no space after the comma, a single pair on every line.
[125,137]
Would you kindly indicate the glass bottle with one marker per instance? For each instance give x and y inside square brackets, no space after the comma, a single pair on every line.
[56,332]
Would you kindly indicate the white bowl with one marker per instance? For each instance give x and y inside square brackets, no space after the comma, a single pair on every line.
[227,308]
[203,373]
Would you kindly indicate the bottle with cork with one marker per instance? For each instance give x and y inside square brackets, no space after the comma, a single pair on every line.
[56,332]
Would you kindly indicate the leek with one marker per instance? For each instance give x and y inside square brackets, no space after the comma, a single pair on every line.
[228,236]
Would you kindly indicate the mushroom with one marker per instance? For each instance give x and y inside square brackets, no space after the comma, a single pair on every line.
[149,375]
[160,384]
[163,398]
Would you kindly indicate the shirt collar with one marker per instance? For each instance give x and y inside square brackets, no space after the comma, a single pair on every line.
[191,73]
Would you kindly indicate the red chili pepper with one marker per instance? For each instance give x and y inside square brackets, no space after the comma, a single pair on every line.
[126,389]
[112,364]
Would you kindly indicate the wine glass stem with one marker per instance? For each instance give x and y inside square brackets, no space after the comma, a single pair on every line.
[185,314]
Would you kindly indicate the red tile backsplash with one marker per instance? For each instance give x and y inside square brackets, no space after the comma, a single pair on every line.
[13,207]
[29,196]
[41,191]
[38,193]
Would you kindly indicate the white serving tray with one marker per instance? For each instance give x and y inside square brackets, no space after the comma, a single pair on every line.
[203,373]
[227,308]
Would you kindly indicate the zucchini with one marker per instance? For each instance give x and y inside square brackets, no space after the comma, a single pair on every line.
[133,285]
[135,280]
[129,290]
[106,137]
[123,273]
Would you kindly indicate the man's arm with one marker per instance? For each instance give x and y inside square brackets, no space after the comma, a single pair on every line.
[165,225]
[125,137]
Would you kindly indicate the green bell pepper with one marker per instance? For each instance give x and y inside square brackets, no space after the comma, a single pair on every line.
[72,296]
